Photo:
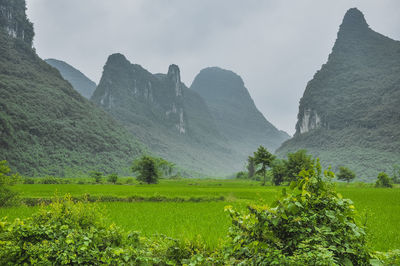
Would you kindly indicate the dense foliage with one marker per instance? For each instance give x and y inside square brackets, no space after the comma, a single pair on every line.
[68,233]
[310,224]
[46,127]
[186,220]
[351,106]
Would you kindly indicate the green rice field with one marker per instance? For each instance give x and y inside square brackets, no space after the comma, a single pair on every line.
[201,216]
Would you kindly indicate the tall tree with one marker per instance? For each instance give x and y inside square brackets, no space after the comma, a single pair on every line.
[264,158]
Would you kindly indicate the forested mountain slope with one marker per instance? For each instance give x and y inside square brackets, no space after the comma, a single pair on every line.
[46,127]
[350,111]
[78,80]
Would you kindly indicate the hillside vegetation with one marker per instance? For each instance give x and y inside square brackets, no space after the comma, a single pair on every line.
[46,127]
[78,80]
[350,111]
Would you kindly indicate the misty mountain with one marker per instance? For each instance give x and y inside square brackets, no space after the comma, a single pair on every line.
[173,121]
[234,111]
[46,127]
[78,80]
[350,111]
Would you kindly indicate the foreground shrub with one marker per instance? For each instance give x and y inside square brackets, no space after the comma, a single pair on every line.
[76,233]
[308,225]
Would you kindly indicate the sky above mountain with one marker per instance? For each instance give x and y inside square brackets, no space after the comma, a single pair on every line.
[276,46]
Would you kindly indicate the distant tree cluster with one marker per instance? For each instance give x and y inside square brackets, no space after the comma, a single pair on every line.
[265,165]
[149,169]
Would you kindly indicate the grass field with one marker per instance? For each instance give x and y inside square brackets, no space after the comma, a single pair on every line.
[206,221]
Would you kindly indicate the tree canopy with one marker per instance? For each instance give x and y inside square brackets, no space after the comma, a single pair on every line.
[345,174]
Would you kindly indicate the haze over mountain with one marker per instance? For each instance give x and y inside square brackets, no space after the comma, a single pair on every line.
[350,111]
[46,127]
[78,80]
[175,122]
[163,113]
[234,111]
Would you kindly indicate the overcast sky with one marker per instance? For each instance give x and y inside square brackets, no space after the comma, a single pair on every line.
[276,46]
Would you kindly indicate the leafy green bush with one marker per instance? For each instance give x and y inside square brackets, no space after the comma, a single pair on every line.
[76,233]
[383,180]
[309,224]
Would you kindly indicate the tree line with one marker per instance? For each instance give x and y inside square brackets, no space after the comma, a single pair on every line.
[264,165]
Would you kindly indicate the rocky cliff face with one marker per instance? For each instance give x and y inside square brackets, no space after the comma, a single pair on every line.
[308,120]
[350,111]
[130,87]
[234,111]
[14,21]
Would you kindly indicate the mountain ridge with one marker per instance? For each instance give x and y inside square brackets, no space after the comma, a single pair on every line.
[79,81]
